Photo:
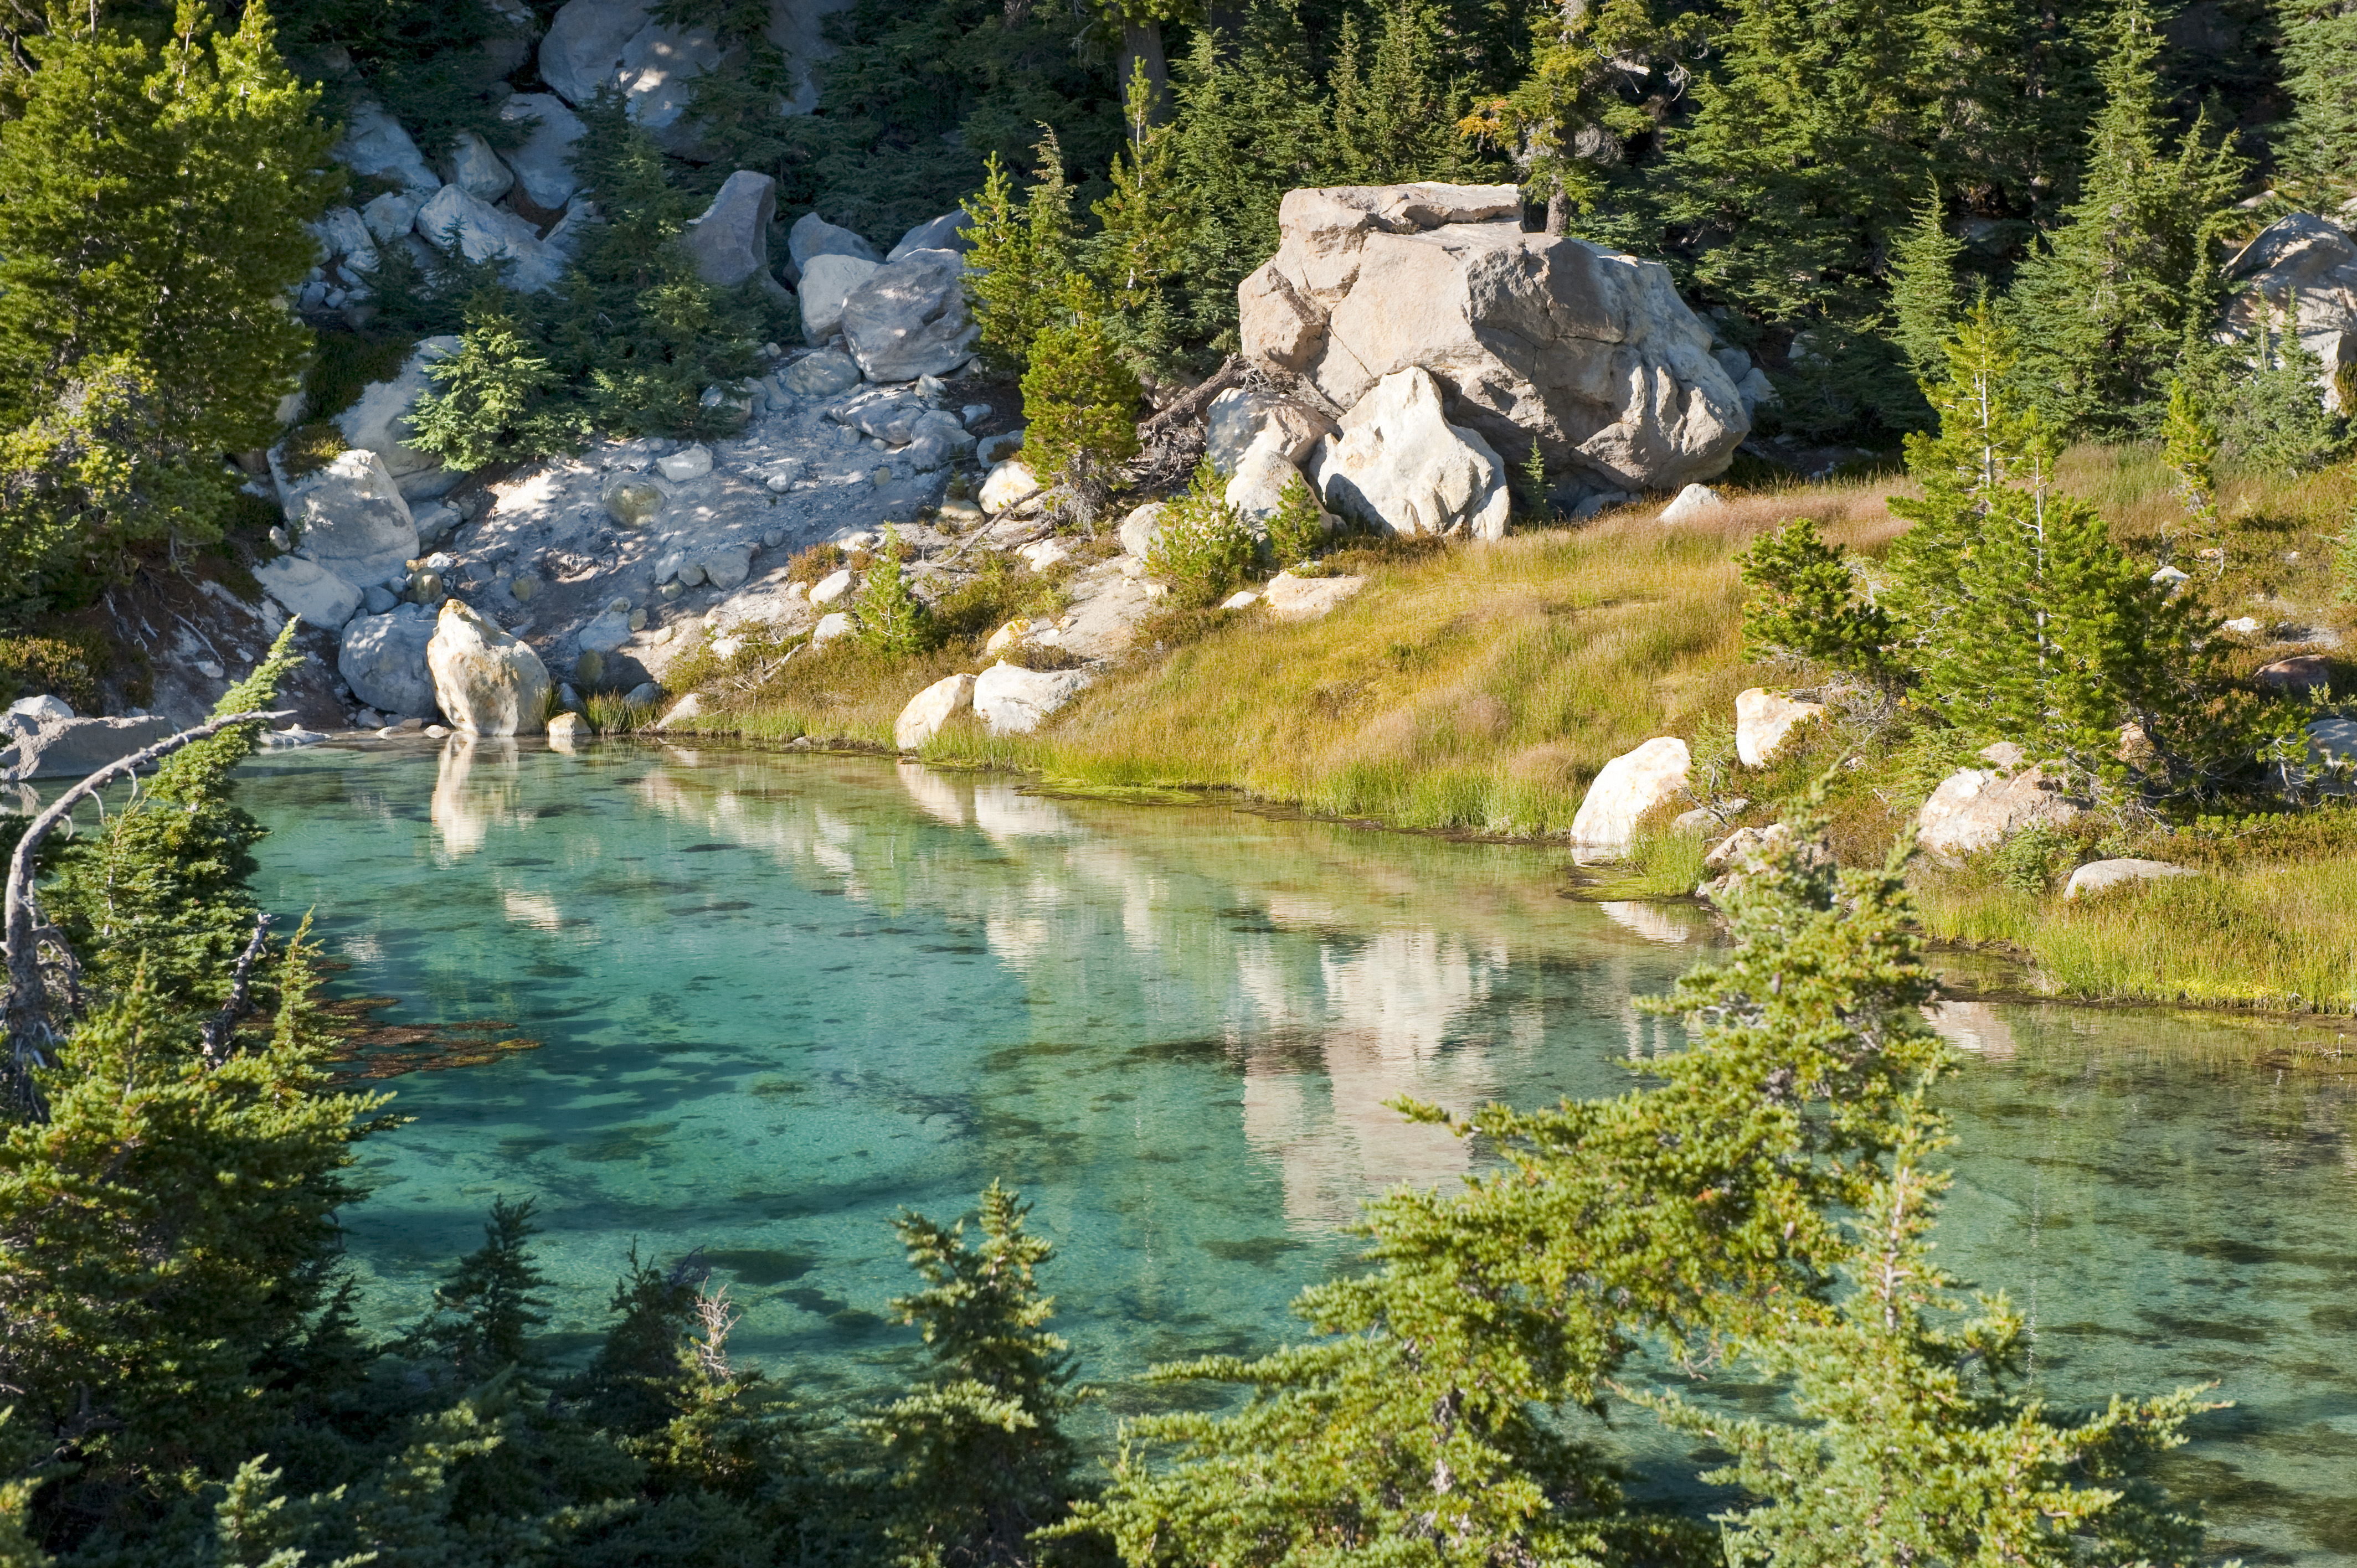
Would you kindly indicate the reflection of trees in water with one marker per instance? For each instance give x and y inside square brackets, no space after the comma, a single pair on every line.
[1337,971]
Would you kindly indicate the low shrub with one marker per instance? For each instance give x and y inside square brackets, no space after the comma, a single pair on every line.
[64,665]
[892,618]
[1201,547]
[1299,525]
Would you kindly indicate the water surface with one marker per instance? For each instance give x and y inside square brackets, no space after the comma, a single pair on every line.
[782,997]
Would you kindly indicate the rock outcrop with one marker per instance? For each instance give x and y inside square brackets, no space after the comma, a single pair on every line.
[1626,790]
[1762,720]
[827,281]
[812,237]
[936,234]
[544,165]
[932,708]
[485,682]
[350,518]
[76,748]
[2097,875]
[378,422]
[1398,464]
[1238,418]
[730,242]
[1588,350]
[1977,809]
[309,589]
[2315,261]
[374,146]
[1011,699]
[908,318]
[382,660]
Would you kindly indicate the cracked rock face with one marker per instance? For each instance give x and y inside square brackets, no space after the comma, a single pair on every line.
[1589,351]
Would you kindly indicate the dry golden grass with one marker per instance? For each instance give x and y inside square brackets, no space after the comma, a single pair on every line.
[1479,688]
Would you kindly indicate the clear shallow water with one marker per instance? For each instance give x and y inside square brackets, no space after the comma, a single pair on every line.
[782,997]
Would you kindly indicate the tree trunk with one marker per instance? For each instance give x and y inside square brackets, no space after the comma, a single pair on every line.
[1141,48]
[1558,217]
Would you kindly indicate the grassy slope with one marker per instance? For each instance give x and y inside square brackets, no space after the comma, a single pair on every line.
[1480,687]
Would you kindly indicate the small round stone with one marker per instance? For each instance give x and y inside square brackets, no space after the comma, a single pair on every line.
[633,502]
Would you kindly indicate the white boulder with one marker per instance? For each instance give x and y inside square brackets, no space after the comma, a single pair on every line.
[1692,504]
[1007,485]
[544,165]
[827,281]
[1626,790]
[1256,486]
[1587,350]
[374,146]
[1976,808]
[1238,418]
[2314,260]
[908,318]
[1011,699]
[1762,720]
[834,625]
[691,462]
[832,588]
[1137,530]
[378,419]
[310,590]
[485,680]
[932,708]
[1400,466]
[382,660]
[350,518]
[27,713]
[1289,598]
[479,171]
[936,234]
[2099,874]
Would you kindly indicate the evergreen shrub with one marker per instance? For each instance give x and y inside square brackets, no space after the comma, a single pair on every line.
[1201,547]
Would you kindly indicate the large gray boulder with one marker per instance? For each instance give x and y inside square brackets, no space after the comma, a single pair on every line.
[544,165]
[76,748]
[393,214]
[378,421]
[909,318]
[374,146]
[476,169]
[593,43]
[936,234]
[827,281]
[349,518]
[479,231]
[382,660]
[2314,260]
[310,590]
[812,236]
[343,235]
[1398,464]
[485,680]
[1588,350]
[730,242]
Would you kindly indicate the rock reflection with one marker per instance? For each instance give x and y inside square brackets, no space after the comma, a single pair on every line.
[1330,1007]
[477,787]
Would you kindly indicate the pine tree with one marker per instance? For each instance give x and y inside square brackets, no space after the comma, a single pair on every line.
[1249,127]
[498,398]
[1395,116]
[2318,148]
[1142,233]
[2104,304]
[2018,618]
[1924,297]
[892,619]
[1803,604]
[1916,1440]
[2274,416]
[1568,119]
[486,1312]
[1080,400]
[981,1459]
[2190,451]
[1021,257]
[152,203]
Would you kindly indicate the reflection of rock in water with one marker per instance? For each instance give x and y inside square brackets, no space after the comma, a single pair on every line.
[1382,1022]
[1972,1026]
[477,789]
[1003,812]
[1655,922]
[935,794]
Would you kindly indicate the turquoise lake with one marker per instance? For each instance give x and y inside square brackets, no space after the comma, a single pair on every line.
[780,998]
